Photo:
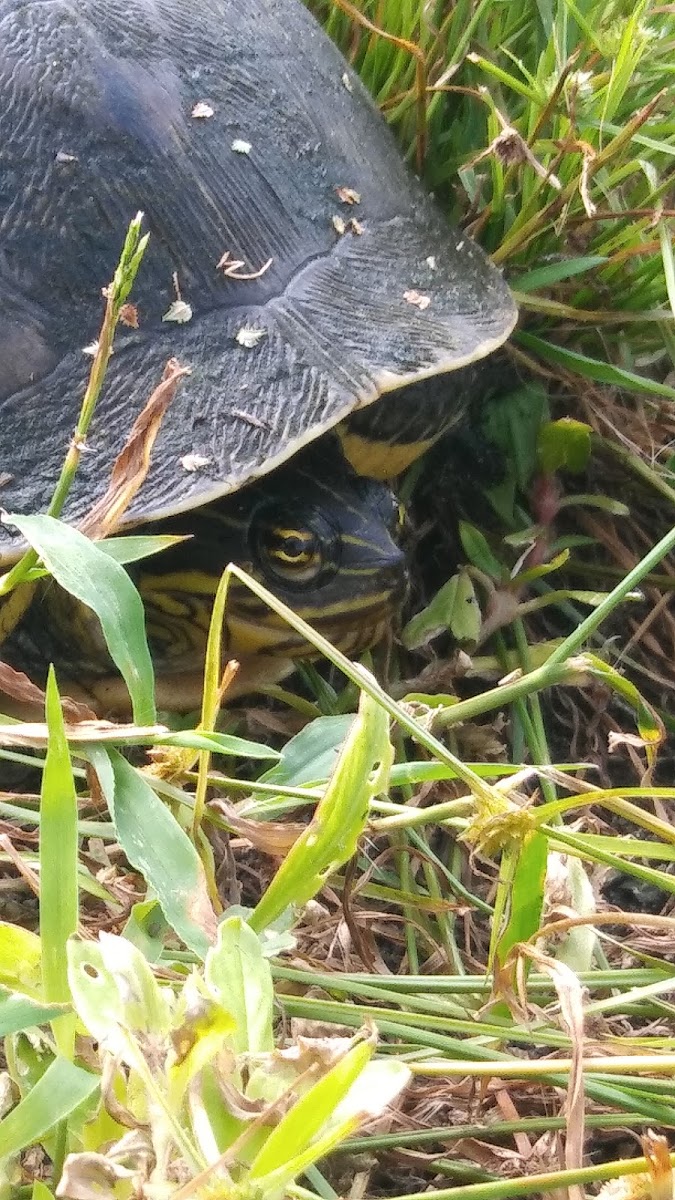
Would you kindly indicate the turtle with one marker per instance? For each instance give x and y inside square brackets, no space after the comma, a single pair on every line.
[333,323]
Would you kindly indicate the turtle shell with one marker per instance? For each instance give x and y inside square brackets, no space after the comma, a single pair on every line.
[240,131]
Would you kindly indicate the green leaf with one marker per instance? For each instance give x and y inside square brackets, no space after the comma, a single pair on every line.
[339,820]
[58,866]
[240,978]
[94,578]
[20,954]
[544,277]
[19,1012]
[216,743]
[132,548]
[526,898]
[564,445]
[62,1088]
[593,368]
[115,992]
[157,846]
[454,608]
[311,755]
[477,550]
[299,1127]
[512,422]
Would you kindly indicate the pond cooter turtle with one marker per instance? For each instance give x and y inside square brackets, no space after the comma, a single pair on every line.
[335,321]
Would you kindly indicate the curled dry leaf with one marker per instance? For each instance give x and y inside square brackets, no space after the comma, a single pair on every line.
[202,111]
[417,299]
[248,336]
[231,267]
[131,465]
[270,837]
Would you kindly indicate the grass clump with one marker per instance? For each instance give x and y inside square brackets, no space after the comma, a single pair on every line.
[433,918]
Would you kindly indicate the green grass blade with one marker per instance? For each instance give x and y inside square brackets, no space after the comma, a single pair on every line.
[340,818]
[95,579]
[62,1088]
[18,1012]
[58,866]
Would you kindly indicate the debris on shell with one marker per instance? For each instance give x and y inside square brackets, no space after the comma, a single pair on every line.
[355,226]
[339,225]
[62,157]
[249,419]
[347,195]
[248,336]
[414,297]
[241,147]
[431,262]
[346,81]
[179,311]
[91,350]
[194,462]
[231,267]
[201,111]
[129,315]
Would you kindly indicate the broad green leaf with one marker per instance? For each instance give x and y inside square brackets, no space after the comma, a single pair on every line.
[526,892]
[18,1012]
[311,755]
[58,866]
[158,847]
[331,837]
[115,992]
[20,954]
[564,445]
[146,929]
[300,1126]
[454,608]
[478,552]
[94,578]
[512,422]
[62,1088]
[197,1040]
[240,978]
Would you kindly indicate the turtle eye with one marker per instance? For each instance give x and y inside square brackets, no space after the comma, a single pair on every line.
[294,555]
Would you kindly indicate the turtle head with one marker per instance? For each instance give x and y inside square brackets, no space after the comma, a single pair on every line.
[316,535]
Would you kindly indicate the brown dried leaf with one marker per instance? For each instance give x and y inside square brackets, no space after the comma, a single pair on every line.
[35,734]
[270,837]
[21,689]
[131,465]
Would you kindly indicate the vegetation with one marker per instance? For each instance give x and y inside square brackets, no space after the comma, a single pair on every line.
[457,1006]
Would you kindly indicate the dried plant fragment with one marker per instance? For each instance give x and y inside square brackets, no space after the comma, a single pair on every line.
[347,195]
[241,147]
[417,299]
[231,267]
[201,111]
[194,462]
[347,83]
[248,336]
[339,225]
[129,316]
